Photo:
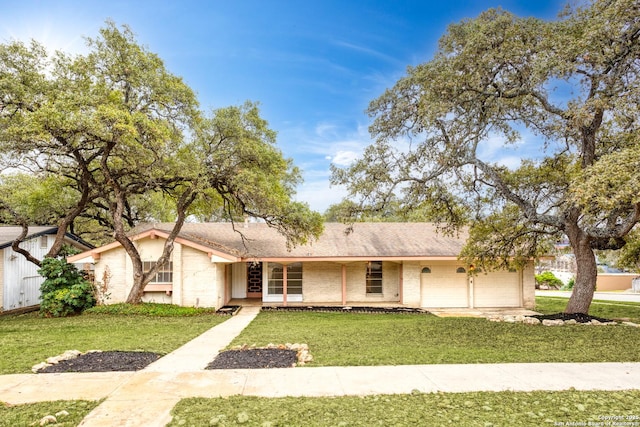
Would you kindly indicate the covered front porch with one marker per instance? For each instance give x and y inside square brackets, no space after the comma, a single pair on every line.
[359,282]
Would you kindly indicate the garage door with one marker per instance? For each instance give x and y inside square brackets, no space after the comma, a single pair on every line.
[497,289]
[442,287]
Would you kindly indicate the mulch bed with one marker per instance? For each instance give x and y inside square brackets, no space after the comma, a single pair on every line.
[341,309]
[255,358]
[578,317]
[104,361]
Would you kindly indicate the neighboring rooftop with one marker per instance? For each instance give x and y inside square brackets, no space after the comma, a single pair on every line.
[8,233]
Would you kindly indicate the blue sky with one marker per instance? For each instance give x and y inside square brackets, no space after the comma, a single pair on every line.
[314,66]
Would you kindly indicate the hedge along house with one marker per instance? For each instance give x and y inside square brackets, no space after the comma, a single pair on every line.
[399,264]
[20,287]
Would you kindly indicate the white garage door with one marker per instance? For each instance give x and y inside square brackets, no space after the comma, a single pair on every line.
[442,287]
[497,289]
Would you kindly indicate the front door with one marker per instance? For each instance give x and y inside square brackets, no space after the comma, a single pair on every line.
[254,280]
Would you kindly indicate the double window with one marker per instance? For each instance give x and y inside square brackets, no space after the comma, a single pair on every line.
[294,278]
[374,277]
[164,274]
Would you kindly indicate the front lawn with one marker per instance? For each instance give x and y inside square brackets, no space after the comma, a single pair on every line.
[606,309]
[70,412]
[28,339]
[350,339]
[438,409]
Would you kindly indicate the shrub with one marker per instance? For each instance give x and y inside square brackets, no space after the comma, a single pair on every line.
[548,279]
[570,284]
[64,291]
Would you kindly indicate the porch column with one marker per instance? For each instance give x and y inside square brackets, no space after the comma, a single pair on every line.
[284,285]
[226,285]
[344,284]
[401,283]
[471,292]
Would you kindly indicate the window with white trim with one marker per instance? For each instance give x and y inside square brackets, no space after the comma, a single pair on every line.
[294,279]
[164,273]
[374,277]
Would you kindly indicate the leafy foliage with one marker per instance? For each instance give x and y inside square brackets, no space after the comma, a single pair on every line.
[571,84]
[64,291]
[570,284]
[112,139]
[549,280]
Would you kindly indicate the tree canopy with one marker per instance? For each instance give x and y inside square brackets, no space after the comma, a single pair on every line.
[570,86]
[111,138]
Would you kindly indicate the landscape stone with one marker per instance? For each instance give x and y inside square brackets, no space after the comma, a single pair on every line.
[49,419]
[531,321]
[548,322]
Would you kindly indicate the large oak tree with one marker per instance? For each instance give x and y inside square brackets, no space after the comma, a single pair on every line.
[571,84]
[126,141]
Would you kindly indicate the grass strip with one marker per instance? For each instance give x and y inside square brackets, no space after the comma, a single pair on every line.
[31,414]
[349,339]
[436,409]
[599,308]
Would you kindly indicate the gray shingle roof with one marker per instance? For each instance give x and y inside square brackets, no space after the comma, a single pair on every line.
[367,240]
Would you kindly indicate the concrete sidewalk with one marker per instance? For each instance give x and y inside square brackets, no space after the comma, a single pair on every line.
[146,397]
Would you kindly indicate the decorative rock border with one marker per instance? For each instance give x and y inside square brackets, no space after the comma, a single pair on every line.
[528,320]
[54,360]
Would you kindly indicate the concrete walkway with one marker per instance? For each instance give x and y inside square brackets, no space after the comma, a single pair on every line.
[146,397]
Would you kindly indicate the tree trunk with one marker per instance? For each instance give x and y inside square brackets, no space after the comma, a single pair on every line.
[586,274]
[135,295]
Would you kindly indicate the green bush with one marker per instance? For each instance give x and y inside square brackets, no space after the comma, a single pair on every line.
[548,279]
[64,291]
[570,284]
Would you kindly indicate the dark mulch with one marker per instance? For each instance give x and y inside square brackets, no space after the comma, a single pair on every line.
[255,358]
[341,309]
[104,361]
[578,317]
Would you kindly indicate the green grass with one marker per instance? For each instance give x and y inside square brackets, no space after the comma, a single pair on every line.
[606,309]
[350,339]
[28,339]
[417,409]
[31,414]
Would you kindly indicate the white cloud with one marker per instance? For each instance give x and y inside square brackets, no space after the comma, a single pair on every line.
[319,194]
[344,158]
